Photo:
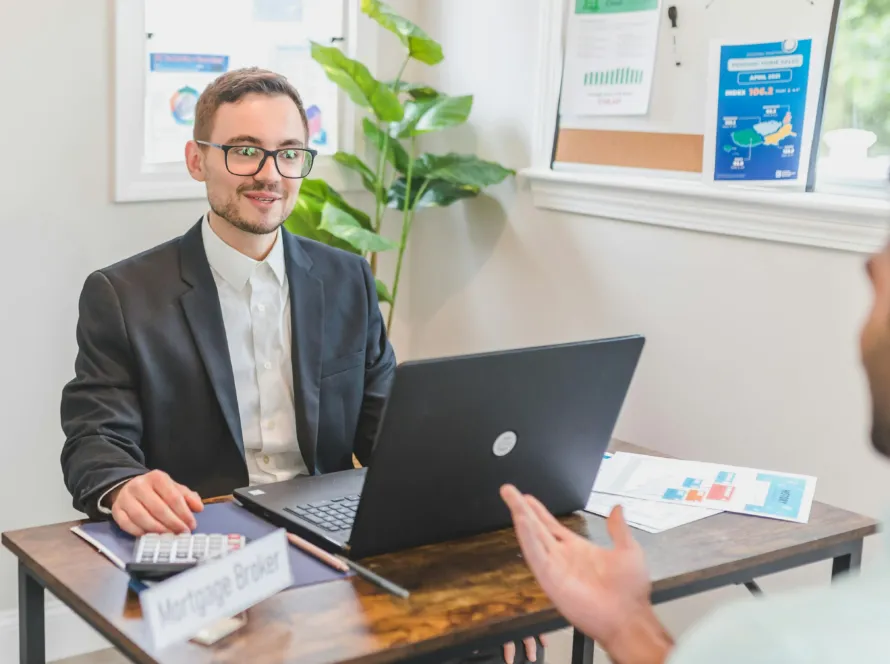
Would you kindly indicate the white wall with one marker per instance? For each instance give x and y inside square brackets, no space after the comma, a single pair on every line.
[56,72]
[752,353]
[58,225]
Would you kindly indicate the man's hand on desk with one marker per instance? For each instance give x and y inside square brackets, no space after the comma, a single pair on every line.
[602,592]
[154,503]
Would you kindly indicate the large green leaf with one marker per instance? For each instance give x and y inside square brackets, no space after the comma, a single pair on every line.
[415,90]
[353,163]
[383,294]
[355,79]
[321,193]
[419,44]
[395,152]
[344,226]
[433,114]
[460,169]
[305,220]
[437,193]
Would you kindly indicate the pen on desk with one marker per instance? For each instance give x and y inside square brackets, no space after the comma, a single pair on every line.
[344,565]
[321,554]
[376,579]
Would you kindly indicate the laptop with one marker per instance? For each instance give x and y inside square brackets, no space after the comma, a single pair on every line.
[453,430]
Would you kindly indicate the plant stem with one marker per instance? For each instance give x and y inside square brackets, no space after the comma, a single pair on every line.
[407,219]
[381,172]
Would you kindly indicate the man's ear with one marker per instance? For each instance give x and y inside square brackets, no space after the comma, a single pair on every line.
[194,160]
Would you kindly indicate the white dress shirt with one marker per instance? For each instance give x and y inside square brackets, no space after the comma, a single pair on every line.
[256,311]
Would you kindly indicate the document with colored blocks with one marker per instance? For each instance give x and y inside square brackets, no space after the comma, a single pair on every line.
[776,495]
[648,515]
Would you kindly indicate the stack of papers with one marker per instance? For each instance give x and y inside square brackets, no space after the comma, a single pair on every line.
[650,516]
[647,515]
[658,494]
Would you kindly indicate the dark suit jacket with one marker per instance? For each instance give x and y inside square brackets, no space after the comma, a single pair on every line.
[154,388]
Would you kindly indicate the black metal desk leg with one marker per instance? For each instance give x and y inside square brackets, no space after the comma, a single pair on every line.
[582,649]
[32,640]
[848,562]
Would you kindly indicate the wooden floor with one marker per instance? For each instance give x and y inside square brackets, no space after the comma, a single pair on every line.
[100,657]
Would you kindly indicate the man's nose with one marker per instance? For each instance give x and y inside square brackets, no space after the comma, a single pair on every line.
[269,172]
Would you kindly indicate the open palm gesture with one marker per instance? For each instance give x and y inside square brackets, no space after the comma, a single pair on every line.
[598,590]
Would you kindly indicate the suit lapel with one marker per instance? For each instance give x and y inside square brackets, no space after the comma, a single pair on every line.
[204,316]
[307,330]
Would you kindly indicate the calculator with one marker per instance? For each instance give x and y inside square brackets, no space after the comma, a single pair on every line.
[157,557]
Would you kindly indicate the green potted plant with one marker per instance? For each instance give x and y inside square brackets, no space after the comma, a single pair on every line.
[399,113]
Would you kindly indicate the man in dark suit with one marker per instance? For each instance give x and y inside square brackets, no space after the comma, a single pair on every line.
[236,354]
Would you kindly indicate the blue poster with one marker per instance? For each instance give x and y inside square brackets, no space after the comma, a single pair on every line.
[760,110]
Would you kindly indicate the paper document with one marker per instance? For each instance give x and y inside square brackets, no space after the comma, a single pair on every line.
[647,515]
[610,57]
[174,82]
[734,489]
[760,94]
[190,44]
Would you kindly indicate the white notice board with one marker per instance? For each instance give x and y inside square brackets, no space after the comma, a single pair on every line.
[679,101]
[167,51]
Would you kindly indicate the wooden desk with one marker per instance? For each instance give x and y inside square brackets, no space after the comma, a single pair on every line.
[465,595]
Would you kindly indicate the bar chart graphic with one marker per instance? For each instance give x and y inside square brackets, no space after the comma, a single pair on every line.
[622,76]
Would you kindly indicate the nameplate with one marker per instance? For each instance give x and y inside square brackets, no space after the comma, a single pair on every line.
[179,607]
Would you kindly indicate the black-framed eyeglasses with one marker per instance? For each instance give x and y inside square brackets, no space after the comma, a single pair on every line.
[248,160]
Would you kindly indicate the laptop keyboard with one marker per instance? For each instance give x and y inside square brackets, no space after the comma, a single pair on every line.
[332,515]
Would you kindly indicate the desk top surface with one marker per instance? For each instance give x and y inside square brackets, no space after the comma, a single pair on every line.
[460,591]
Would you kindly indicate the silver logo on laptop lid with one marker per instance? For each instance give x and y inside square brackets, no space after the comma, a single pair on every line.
[504,444]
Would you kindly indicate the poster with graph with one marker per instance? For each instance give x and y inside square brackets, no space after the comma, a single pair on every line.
[610,57]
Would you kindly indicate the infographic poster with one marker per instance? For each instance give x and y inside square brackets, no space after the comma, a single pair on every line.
[610,57]
[174,83]
[761,110]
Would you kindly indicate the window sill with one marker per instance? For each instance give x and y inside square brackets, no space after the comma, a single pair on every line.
[834,221]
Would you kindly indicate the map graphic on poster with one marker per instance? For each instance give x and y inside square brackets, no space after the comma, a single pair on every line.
[760,110]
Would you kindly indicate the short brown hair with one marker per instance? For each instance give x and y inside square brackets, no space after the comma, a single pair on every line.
[234,86]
